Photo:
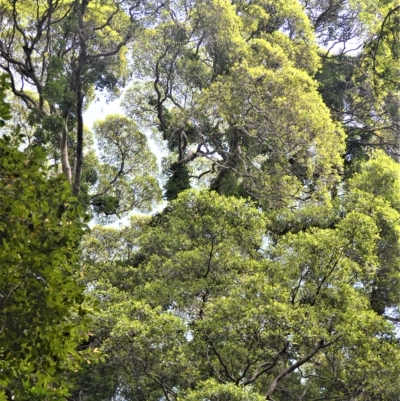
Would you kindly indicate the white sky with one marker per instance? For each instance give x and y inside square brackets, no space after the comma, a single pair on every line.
[98,110]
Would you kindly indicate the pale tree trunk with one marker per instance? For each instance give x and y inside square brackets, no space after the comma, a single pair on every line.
[80,10]
[66,168]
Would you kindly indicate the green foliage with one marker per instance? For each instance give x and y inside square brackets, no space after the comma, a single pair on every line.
[359,78]
[335,77]
[97,380]
[211,390]
[375,192]
[126,174]
[237,78]
[105,204]
[56,90]
[215,309]
[384,48]
[178,181]
[41,303]
[280,279]
[5,113]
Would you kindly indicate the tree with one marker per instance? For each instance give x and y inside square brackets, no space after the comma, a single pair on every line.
[216,307]
[359,76]
[58,53]
[282,281]
[108,258]
[41,303]
[63,50]
[279,279]
[231,82]
[126,174]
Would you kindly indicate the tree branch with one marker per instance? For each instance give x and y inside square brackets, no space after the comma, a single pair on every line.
[320,345]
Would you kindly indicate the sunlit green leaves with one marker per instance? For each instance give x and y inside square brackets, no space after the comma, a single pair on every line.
[209,294]
[237,79]
[5,113]
[40,229]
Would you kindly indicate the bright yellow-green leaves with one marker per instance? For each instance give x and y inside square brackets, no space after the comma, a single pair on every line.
[378,180]
[280,116]
[285,290]
[284,25]
[215,305]
[212,390]
[228,233]
[375,193]
[237,78]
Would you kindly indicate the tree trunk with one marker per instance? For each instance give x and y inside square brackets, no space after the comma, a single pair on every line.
[80,9]
[66,168]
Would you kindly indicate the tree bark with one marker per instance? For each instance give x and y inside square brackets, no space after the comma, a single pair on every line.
[80,10]
[293,367]
[66,168]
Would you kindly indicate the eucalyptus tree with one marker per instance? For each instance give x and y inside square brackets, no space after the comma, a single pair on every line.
[197,63]
[41,47]
[124,176]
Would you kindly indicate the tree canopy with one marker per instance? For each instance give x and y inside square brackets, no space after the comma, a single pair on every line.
[271,271]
